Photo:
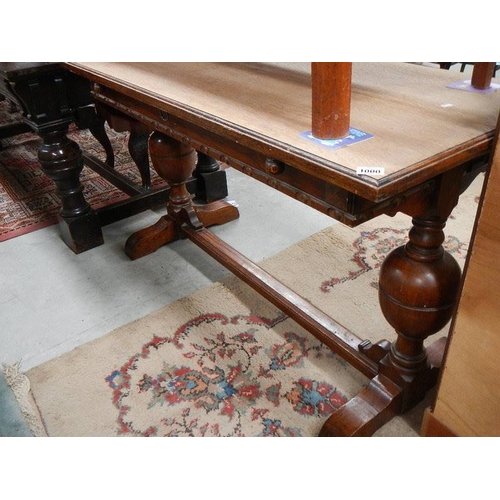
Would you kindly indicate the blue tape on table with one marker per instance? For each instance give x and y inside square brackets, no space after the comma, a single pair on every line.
[354,137]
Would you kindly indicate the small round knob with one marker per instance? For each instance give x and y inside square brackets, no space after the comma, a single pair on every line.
[273,167]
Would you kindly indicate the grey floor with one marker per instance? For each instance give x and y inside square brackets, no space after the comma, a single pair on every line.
[52,301]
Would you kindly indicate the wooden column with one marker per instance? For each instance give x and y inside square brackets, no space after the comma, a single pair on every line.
[174,162]
[482,75]
[418,288]
[417,292]
[61,159]
[331,99]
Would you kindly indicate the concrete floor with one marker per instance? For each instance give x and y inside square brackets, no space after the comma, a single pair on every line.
[53,300]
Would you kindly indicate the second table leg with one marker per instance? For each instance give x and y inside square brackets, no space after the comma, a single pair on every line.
[175,162]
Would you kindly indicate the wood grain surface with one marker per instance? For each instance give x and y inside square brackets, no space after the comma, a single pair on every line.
[408,108]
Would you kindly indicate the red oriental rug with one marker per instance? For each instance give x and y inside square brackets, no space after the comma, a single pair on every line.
[28,199]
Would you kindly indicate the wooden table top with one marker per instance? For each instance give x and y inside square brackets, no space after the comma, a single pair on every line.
[420,127]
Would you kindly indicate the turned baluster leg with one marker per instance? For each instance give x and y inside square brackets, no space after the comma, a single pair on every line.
[174,162]
[61,159]
[418,290]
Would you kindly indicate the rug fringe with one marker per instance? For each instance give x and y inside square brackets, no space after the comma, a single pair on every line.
[20,385]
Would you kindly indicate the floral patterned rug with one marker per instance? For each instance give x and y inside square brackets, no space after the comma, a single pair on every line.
[224,362]
[28,199]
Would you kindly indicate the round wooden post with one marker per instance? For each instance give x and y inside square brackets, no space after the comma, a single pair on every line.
[61,159]
[331,99]
[175,162]
[418,288]
[482,75]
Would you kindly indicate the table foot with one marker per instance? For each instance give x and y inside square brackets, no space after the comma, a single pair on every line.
[150,239]
[380,401]
[363,415]
[216,213]
[81,233]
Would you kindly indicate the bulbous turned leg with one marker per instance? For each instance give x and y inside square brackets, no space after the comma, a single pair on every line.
[418,289]
[174,162]
[61,159]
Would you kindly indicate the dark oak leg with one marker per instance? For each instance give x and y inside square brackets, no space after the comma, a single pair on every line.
[418,289]
[138,149]
[88,117]
[98,130]
[211,182]
[174,162]
[61,159]
[138,139]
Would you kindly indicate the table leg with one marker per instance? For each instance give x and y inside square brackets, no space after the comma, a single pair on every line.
[88,117]
[61,159]
[418,288]
[482,73]
[138,139]
[331,99]
[175,162]
[138,149]
[211,183]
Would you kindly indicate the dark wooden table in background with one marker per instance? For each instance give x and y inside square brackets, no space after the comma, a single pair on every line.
[50,99]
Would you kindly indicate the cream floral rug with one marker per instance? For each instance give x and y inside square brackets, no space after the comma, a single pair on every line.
[224,362]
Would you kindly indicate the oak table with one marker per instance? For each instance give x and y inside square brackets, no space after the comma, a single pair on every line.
[423,145]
